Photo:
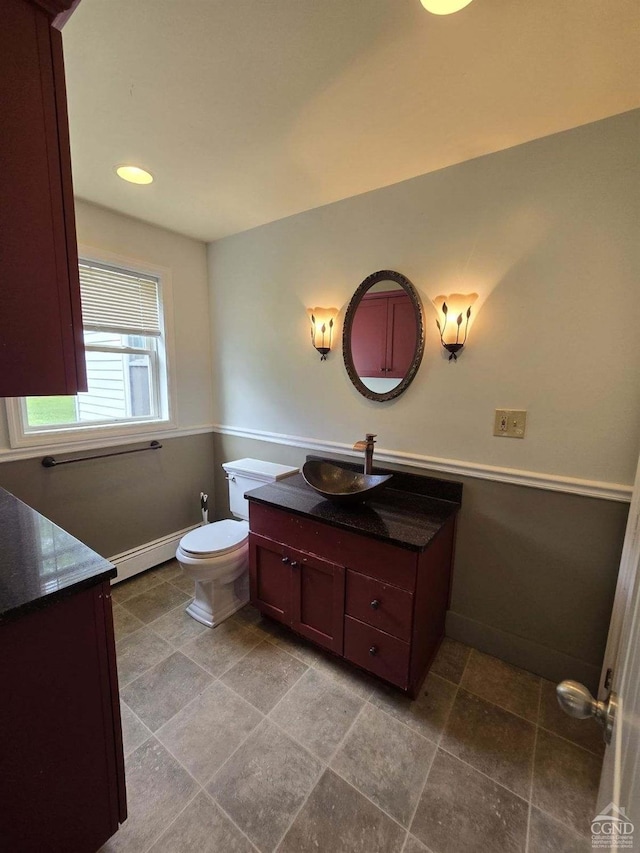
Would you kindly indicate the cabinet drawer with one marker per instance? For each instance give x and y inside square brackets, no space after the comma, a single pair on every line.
[370,556]
[380,653]
[380,605]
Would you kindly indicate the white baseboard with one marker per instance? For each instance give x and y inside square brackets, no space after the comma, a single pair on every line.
[147,556]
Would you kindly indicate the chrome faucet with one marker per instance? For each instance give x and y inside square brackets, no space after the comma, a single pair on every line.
[367,446]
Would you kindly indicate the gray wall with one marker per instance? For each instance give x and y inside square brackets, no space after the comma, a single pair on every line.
[117,504]
[534,572]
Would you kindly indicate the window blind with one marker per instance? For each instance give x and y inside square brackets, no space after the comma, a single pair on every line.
[115,300]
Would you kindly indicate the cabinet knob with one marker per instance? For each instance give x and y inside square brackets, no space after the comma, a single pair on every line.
[373,650]
[285,559]
[375,604]
[294,564]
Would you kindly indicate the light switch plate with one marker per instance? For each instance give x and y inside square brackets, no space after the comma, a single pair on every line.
[510,423]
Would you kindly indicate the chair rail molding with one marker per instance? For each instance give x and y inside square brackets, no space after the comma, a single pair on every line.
[619,492]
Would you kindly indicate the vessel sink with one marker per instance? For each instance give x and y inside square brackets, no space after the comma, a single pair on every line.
[339,485]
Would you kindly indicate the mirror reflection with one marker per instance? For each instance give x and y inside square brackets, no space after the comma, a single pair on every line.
[383,335]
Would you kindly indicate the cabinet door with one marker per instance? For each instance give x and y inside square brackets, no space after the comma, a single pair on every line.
[62,779]
[401,336]
[368,337]
[270,578]
[318,600]
[40,325]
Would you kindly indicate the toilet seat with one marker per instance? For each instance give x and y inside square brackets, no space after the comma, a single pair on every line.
[214,540]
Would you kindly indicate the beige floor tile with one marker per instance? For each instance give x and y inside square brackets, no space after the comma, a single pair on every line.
[162,691]
[142,582]
[386,761]
[338,819]
[202,828]
[492,740]
[264,675]
[451,660]
[134,731]
[124,622]
[427,714]
[264,783]
[138,652]
[208,730]
[317,712]
[217,649]
[178,627]
[155,602]
[461,811]
[565,781]
[547,835]
[498,682]
[158,788]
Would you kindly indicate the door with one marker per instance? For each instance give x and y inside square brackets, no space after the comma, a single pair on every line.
[270,578]
[318,600]
[618,809]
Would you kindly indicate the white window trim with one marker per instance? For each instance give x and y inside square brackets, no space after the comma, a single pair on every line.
[80,437]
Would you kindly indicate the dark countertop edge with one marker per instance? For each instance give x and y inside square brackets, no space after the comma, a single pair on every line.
[349,528]
[56,595]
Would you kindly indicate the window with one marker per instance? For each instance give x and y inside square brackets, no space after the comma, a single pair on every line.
[125,349]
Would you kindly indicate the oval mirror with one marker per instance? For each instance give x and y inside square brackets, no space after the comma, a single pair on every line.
[383,335]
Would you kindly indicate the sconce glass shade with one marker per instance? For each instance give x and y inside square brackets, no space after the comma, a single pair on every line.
[444,7]
[454,320]
[322,323]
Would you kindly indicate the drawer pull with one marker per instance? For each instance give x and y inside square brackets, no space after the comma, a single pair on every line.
[285,559]
[373,650]
[375,604]
[294,564]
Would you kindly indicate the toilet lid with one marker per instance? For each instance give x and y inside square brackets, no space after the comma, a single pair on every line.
[221,537]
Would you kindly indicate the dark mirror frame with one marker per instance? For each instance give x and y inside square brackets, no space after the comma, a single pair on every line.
[374,278]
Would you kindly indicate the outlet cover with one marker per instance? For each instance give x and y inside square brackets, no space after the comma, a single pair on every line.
[510,423]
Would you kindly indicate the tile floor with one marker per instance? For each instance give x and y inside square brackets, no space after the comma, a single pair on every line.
[244,738]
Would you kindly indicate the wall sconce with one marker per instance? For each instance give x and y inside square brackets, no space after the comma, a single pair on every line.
[322,322]
[453,325]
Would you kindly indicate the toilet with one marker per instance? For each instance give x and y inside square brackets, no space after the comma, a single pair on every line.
[216,555]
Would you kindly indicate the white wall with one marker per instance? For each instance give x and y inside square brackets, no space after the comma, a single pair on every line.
[186,259]
[545,232]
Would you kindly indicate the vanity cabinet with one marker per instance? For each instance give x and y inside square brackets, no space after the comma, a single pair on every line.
[376,604]
[41,343]
[62,785]
[383,335]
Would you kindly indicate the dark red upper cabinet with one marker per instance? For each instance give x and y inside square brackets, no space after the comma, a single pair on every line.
[384,335]
[41,347]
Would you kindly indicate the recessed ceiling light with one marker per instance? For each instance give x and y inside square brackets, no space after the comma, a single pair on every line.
[444,7]
[134,174]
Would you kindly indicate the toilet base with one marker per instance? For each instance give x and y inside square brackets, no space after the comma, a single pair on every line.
[215,602]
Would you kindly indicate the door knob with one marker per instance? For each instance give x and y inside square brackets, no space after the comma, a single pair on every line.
[285,559]
[294,563]
[576,701]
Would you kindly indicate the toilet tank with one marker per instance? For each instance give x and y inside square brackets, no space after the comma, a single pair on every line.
[246,474]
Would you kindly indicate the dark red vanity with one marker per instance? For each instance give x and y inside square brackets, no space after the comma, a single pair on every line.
[370,582]
[62,784]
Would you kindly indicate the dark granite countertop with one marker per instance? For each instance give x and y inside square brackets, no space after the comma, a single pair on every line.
[409,517]
[39,562]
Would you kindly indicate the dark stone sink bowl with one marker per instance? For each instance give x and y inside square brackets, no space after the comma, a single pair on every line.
[342,486]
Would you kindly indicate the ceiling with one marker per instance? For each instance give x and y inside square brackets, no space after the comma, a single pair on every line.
[247,111]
